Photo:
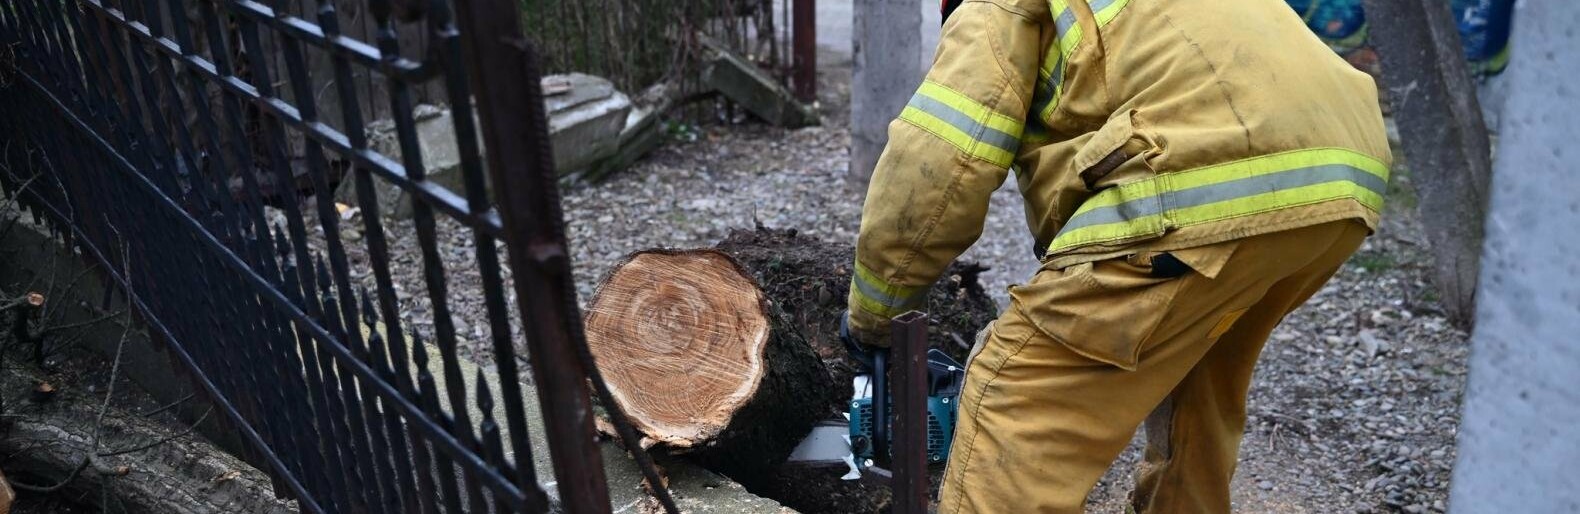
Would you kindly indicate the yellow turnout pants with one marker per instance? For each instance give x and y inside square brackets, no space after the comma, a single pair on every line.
[1088,352]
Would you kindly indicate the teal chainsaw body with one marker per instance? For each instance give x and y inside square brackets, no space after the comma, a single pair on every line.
[942,411]
[945,378]
[849,439]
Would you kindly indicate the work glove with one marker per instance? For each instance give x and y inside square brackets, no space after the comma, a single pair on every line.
[864,328]
[856,342]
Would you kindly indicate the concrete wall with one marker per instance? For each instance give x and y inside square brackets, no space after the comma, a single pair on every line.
[1520,438]
[30,260]
[893,43]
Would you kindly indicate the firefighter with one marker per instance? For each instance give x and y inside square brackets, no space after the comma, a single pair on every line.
[1193,170]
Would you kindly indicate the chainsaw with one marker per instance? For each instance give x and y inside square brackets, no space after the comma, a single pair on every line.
[854,437]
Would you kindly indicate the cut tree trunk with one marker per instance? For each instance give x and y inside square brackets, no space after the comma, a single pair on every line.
[643,329]
[702,362]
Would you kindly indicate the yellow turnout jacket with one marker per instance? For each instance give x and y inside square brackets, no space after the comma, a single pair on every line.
[1132,125]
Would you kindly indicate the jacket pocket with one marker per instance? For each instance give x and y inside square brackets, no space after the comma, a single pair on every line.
[1115,145]
[1108,310]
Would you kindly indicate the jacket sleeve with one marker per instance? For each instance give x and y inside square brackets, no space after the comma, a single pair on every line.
[948,150]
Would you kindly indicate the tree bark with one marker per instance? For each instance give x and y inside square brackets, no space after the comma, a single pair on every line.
[1445,140]
[128,463]
[703,363]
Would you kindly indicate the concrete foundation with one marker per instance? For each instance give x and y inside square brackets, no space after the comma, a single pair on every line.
[1519,438]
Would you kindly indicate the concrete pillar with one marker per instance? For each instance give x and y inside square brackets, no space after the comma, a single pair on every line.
[887,42]
[1520,436]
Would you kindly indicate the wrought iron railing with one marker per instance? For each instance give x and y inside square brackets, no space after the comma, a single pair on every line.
[148,132]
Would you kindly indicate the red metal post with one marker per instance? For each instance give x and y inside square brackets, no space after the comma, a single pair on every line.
[804,49]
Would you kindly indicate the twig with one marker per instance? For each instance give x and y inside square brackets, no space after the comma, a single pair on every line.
[56,486]
[161,440]
[93,321]
[50,310]
[960,341]
[172,405]
[12,200]
[98,423]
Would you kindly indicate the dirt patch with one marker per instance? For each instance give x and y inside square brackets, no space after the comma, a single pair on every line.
[811,279]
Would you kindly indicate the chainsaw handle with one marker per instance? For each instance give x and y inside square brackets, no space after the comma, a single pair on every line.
[859,352]
[880,405]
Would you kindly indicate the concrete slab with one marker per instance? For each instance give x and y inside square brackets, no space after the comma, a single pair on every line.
[586,118]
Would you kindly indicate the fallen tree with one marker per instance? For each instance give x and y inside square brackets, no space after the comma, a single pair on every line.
[729,355]
[122,462]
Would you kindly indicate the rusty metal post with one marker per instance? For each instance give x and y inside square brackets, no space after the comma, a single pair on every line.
[909,462]
[804,49]
[504,69]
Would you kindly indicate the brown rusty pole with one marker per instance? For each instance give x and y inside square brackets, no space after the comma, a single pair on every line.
[910,413]
[503,68]
[804,49]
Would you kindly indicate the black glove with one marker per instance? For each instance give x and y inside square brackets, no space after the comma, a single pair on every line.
[854,344]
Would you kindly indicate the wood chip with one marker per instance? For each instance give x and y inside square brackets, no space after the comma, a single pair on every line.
[7,496]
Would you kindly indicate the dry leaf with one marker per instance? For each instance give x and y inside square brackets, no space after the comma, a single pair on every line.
[605,429]
[346,211]
[7,496]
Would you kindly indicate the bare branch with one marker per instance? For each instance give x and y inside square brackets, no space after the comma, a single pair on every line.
[161,440]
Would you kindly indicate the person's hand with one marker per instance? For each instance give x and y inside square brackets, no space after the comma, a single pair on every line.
[862,333]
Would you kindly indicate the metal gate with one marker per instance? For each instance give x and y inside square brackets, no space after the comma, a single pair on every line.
[147,134]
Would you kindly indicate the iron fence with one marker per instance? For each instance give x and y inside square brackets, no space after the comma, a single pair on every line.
[149,125]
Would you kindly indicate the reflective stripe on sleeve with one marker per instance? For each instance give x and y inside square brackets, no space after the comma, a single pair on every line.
[1069,30]
[1050,85]
[876,296]
[1068,36]
[1149,207]
[970,126]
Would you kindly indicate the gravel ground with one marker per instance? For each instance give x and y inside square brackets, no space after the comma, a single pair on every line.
[1354,407]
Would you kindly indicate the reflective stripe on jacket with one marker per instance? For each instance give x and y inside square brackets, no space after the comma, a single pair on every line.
[1132,125]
